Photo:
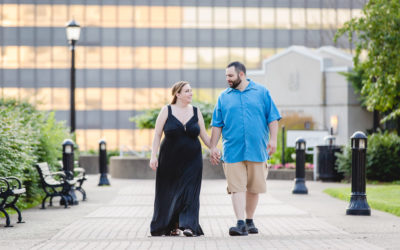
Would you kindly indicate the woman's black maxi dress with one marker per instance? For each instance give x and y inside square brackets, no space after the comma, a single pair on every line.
[178,177]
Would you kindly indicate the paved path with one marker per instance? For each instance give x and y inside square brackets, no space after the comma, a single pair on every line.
[118,217]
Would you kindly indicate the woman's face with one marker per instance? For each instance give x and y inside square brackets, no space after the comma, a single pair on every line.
[186,94]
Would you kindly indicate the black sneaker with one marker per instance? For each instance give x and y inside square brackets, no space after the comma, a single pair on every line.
[239,230]
[251,228]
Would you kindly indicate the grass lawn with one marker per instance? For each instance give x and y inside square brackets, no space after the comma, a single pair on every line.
[381,197]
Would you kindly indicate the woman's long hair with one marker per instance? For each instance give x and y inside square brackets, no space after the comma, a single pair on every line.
[176,88]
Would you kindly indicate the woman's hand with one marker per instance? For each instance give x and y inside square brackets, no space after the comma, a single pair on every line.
[153,163]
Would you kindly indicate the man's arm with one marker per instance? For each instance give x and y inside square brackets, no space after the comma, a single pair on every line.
[214,152]
[273,129]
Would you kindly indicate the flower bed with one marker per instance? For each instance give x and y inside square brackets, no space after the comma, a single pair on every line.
[292,165]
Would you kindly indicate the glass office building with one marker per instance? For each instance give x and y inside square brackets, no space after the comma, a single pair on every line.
[131,51]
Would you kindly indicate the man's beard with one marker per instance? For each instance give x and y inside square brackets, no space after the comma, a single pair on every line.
[236,83]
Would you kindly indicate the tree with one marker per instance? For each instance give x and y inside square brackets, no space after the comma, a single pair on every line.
[377,77]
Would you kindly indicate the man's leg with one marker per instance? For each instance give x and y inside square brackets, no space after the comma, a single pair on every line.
[256,183]
[251,204]
[236,177]
[239,204]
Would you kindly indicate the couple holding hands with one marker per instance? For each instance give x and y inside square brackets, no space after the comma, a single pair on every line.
[247,118]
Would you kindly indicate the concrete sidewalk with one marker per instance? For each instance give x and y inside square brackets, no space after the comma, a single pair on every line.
[118,217]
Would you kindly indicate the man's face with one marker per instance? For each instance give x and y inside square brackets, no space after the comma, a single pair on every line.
[232,77]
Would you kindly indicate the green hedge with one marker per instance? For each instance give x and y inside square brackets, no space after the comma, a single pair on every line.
[383,158]
[28,136]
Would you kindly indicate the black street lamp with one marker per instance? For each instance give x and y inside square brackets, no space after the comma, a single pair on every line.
[73,31]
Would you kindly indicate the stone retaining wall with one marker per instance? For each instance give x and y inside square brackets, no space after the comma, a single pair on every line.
[138,168]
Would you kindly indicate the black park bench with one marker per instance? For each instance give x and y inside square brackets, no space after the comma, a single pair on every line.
[54,184]
[10,190]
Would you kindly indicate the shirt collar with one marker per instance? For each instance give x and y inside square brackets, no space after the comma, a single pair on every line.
[250,86]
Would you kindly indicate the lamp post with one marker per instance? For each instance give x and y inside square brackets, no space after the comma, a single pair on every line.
[73,31]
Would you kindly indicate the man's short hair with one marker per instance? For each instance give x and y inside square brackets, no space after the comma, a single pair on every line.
[239,67]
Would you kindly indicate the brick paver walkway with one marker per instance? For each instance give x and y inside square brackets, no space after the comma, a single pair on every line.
[123,223]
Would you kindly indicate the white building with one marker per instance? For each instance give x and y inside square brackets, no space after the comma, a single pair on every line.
[308,82]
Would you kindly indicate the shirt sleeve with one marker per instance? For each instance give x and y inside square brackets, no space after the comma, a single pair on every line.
[272,112]
[217,120]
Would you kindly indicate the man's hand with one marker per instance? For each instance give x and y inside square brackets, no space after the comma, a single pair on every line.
[215,156]
[271,148]
[153,163]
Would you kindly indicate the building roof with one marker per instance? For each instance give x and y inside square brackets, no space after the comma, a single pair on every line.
[331,59]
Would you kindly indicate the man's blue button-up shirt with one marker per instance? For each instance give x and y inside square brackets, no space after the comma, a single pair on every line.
[244,117]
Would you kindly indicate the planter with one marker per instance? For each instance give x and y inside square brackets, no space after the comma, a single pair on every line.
[129,167]
[90,163]
[287,174]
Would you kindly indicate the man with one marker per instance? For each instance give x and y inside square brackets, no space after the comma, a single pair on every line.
[248,120]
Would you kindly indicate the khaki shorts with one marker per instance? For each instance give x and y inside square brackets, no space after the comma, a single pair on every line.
[246,176]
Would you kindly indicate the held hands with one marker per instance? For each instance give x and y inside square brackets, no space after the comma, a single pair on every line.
[215,156]
[153,163]
[271,148]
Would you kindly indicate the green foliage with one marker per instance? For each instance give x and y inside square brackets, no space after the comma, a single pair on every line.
[148,118]
[378,76]
[207,110]
[27,136]
[276,158]
[383,157]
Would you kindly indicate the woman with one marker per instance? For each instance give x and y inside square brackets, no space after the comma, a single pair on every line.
[179,165]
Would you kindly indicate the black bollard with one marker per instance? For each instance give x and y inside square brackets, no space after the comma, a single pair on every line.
[68,168]
[300,181]
[358,201]
[103,164]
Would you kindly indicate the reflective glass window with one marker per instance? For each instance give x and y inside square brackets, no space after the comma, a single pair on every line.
[189,57]
[157,57]
[204,17]
[313,18]
[283,18]
[189,17]
[26,14]
[252,58]
[252,18]
[109,15]
[267,18]
[59,15]
[125,16]
[329,18]
[236,17]
[221,57]
[77,12]
[157,17]
[237,54]
[174,17]
[174,57]
[220,16]
[298,18]
[205,57]
[9,15]
[43,15]
[142,16]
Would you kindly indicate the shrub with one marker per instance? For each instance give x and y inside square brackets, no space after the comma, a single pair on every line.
[28,136]
[383,157]
[148,118]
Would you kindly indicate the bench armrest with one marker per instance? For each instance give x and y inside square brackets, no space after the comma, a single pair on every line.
[4,180]
[12,178]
